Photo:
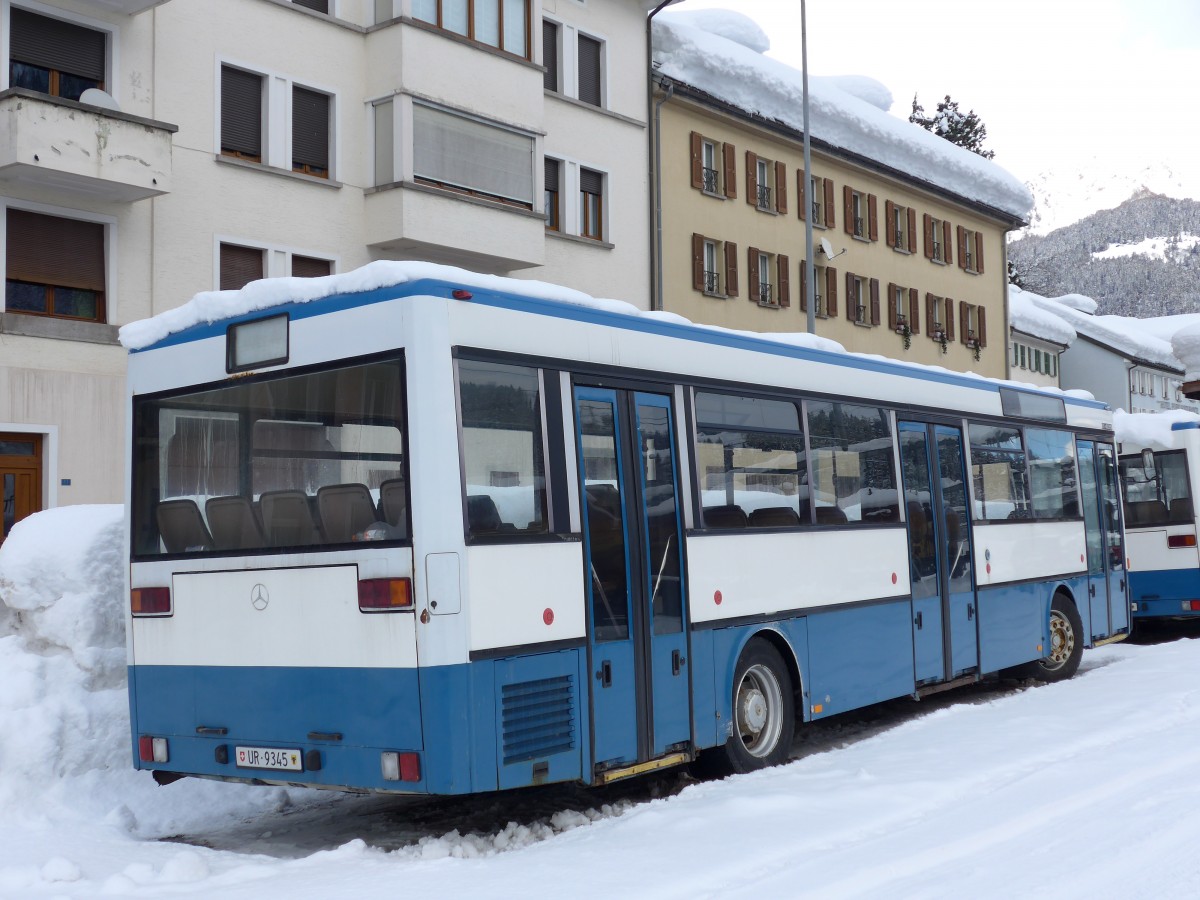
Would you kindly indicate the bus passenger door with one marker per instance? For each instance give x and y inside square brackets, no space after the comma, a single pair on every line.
[1114,538]
[636,596]
[1094,538]
[945,634]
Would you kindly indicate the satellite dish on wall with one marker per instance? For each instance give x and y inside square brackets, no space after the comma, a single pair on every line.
[97,97]
[826,247]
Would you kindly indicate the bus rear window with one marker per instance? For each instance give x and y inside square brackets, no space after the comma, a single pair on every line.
[1158,497]
[298,461]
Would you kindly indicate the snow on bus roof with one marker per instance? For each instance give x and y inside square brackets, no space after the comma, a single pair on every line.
[721,53]
[209,307]
[1135,431]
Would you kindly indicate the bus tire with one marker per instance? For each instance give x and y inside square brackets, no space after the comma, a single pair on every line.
[764,713]
[1066,645]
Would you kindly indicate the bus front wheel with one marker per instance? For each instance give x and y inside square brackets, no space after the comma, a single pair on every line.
[1066,645]
[764,713]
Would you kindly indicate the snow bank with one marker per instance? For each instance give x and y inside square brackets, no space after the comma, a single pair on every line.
[1137,430]
[846,114]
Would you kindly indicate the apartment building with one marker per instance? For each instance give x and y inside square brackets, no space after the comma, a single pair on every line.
[157,148]
[909,255]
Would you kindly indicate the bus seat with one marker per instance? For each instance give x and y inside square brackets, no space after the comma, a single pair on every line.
[482,515]
[234,524]
[393,502]
[181,526]
[774,517]
[345,510]
[1181,510]
[728,516]
[1146,512]
[287,519]
[830,515]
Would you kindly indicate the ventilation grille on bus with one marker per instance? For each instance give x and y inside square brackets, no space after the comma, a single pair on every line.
[538,718]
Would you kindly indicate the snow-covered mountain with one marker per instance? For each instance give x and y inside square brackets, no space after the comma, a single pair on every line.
[1062,198]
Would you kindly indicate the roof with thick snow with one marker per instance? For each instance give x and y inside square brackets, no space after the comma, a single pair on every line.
[721,53]
[1027,317]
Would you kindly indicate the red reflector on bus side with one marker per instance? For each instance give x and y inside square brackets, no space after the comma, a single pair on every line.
[146,748]
[154,601]
[410,767]
[384,594]
[1191,605]
[1181,540]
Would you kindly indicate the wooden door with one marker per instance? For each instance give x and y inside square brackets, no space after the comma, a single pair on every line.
[20,478]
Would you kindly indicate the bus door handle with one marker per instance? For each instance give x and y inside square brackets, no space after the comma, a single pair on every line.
[677,662]
[604,676]
[919,621]
[1092,590]
[970,611]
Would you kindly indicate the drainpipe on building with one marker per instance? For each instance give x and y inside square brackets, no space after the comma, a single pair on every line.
[652,113]
[1007,321]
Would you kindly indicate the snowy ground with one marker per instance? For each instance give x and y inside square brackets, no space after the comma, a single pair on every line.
[1075,790]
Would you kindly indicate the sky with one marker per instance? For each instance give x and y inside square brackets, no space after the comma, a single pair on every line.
[1094,86]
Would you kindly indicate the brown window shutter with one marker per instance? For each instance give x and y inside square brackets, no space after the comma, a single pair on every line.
[829,214]
[697,162]
[310,267]
[240,266]
[931,314]
[928,220]
[781,188]
[752,274]
[848,207]
[851,299]
[831,300]
[962,247]
[751,177]
[730,154]
[874,301]
[785,281]
[889,222]
[698,261]
[731,270]
[803,286]
[964,320]
[980,311]
[979,253]
[56,252]
[947,245]
[241,112]
[893,312]
[948,321]
[872,217]
[912,230]
[914,310]
[801,196]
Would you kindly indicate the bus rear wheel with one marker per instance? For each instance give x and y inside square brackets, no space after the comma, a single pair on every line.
[1066,645]
[764,713]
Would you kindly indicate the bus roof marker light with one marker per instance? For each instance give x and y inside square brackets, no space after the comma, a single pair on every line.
[460,294]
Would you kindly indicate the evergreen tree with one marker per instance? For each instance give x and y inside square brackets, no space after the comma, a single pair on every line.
[963,129]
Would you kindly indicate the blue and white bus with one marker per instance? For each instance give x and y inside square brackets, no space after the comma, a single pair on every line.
[450,534]
[1157,471]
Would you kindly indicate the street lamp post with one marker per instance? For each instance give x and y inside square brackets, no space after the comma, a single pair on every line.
[809,268]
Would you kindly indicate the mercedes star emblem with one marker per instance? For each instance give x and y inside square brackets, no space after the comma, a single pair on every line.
[259,596]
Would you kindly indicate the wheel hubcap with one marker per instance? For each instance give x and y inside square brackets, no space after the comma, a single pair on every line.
[1062,641]
[759,709]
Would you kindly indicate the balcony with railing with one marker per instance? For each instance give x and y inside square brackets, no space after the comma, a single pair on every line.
[77,148]
[766,295]
[764,197]
[712,282]
[712,180]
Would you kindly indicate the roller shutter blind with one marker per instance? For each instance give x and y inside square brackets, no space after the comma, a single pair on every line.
[589,70]
[550,55]
[51,250]
[240,266]
[55,44]
[321,6]
[464,153]
[309,267]
[241,112]
[310,130]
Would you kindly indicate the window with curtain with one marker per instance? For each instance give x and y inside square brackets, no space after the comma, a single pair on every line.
[471,156]
[55,266]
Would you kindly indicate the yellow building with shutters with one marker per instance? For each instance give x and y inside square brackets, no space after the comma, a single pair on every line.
[908,229]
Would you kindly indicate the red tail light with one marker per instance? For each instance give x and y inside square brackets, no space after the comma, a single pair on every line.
[1176,541]
[152,749]
[154,601]
[385,594]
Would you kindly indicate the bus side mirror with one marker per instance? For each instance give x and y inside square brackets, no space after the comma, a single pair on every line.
[1148,463]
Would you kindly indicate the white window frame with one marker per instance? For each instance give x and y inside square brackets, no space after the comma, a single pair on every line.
[763,169]
[568,58]
[710,160]
[712,254]
[111,56]
[900,227]
[820,286]
[938,232]
[277,117]
[858,207]
[765,265]
[969,249]
[862,314]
